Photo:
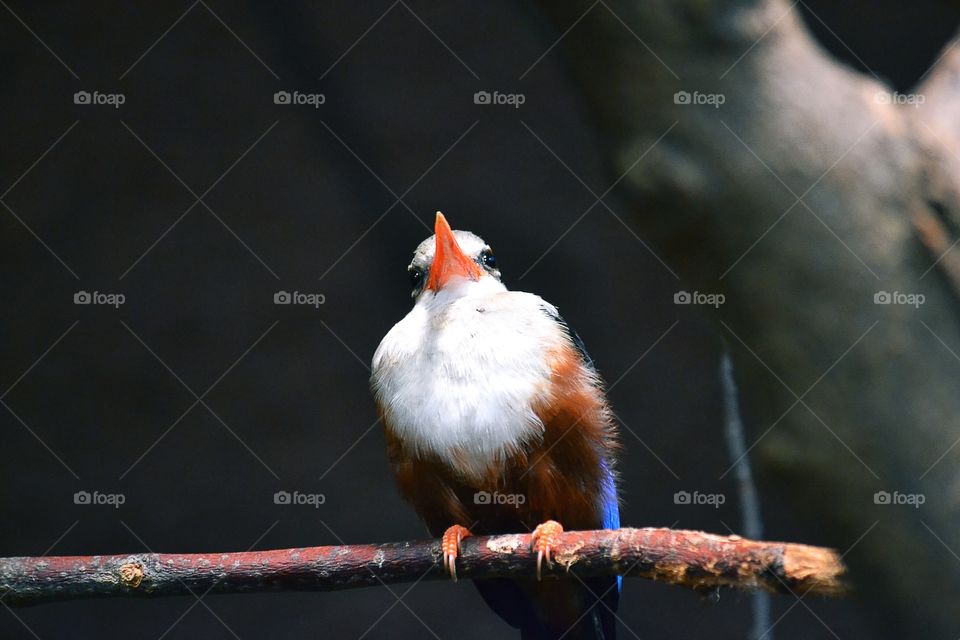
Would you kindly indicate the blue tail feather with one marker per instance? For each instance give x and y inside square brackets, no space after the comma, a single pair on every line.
[550,610]
[569,608]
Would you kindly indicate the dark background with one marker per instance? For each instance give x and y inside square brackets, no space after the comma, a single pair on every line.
[104,199]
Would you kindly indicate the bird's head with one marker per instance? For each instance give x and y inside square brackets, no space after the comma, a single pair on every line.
[451,261]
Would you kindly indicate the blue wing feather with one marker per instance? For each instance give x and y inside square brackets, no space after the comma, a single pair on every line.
[611,509]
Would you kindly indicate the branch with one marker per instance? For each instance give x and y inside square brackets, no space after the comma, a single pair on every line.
[691,559]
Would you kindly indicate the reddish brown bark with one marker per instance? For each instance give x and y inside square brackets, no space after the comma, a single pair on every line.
[690,559]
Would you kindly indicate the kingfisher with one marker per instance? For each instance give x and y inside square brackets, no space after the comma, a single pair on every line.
[496,422]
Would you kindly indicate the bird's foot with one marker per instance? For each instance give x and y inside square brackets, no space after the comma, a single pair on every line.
[542,541]
[450,545]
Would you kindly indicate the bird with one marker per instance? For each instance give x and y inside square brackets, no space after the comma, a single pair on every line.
[496,420]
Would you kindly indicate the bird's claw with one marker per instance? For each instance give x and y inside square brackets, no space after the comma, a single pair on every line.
[450,546]
[542,541]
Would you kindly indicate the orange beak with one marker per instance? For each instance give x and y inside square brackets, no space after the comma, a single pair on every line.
[449,260]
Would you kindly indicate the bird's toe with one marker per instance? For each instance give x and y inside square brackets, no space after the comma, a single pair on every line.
[450,546]
[543,540]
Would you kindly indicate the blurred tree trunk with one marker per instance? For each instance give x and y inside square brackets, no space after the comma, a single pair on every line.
[810,189]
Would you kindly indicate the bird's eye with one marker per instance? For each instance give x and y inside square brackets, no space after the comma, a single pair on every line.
[416,276]
[487,259]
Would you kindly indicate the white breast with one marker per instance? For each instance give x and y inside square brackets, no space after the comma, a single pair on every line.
[461,372]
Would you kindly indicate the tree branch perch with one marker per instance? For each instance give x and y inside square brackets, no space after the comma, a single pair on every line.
[691,559]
